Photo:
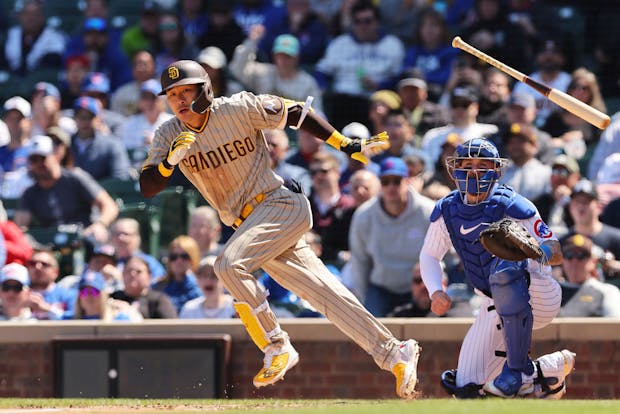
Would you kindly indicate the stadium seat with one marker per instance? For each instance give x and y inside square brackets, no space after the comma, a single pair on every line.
[124,192]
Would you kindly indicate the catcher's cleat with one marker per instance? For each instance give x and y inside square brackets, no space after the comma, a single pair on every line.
[405,368]
[552,370]
[510,383]
[279,358]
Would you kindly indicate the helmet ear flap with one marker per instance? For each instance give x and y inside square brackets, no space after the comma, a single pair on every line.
[204,99]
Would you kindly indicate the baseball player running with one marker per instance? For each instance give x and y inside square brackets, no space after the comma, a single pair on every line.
[518,296]
[219,145]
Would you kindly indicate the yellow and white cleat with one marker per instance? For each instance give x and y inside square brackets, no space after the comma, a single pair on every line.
[405,368]
[278,360]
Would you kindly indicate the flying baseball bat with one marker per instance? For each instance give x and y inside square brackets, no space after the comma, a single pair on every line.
[571,104]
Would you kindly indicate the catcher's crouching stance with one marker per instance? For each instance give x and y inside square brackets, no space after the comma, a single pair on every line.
[506,250]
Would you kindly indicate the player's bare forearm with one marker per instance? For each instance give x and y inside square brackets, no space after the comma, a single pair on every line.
[556,252]
[312,123]
[152,181]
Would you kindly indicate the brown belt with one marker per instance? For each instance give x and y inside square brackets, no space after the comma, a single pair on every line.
[247,210]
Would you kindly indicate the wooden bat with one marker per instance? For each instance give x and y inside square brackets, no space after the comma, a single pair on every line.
[571,104]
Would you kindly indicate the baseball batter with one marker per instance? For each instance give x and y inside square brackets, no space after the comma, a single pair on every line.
[219,146]
[518,296]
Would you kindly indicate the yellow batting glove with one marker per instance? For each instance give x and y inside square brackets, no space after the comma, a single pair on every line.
[179,147]
[361,149]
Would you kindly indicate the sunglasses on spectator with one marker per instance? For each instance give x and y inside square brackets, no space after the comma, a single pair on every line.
[576,255]
[89,291]
[34,263]
[385,181]
[315,171]
[562,172]
[8,287]
[168,26]
[460,104]
[174,256]
[364,20]
[32,159]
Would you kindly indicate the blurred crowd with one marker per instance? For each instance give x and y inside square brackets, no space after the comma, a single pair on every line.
[80,102]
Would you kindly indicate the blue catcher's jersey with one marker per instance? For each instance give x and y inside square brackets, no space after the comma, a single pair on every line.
[465,222]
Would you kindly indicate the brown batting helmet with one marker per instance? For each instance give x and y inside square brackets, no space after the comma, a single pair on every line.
[188,72]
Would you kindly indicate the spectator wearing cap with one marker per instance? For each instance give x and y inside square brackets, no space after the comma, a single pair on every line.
[17,114]
[525,173]
[553,206]
[585,209]
[464,111]
[494,97]
[76,68]
[143,34]
[283,77]
[441,177]
[584,294]
[381,103]
[223,31]
[103,260]
[278,143]
[14,293]
[4,134]
[137,131]
[402,136]
[101,45]
[48,299]
[97,85]
[101,156]
[355,130]
[214,61]
[137,291]
[94,302]
[61,196]
[431,52]
[385,239]
[172,45]
[125,99]
[31,45]
[422,113]
[299,20]
[358,63]
[46,110]
[550,60]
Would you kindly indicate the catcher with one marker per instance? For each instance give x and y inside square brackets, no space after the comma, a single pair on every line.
[506,251]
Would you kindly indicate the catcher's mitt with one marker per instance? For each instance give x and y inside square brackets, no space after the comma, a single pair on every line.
[509,240]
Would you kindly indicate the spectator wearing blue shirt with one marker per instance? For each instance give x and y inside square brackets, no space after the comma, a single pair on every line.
[180,281]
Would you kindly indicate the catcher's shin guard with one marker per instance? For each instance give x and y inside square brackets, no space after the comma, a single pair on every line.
[248,316]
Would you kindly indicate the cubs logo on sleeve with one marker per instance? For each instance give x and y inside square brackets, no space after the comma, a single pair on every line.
[271,105]
[542,230]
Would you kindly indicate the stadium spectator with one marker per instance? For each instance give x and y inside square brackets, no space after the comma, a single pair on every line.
[172,44]
[4,134]
[62,196]
[364,185]
[31,45]
[463,73]
[278,143]
[205,228]
[214,302]
[125,237]
[62,146]
[97,85]
[48,300]
[103,260]
[76,68]
[99,155]
[252,12]
[93,302]
[179,283]
[13,241]
[194,21]
[385,238]
[14,293]
[441,176]
[223,31]
[138,293]
[401,134]
[46,110]
[214,61]
[125,99]
[358,64]
[583,291]
[300,21]
[494,97]
[382,102]
[283,77]
[608,144]
[401,18]
[17,115]
[355,130]
[143,34]
[307,146]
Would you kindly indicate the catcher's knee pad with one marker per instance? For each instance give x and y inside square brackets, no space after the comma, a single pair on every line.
[248,316]
[468,391]
[509,288]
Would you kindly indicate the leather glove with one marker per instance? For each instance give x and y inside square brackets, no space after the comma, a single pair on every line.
[361,149]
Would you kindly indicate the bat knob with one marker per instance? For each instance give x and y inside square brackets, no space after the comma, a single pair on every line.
[456,41]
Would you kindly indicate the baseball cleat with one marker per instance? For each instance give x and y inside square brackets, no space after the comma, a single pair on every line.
[279,358]
[552,372]
[405,368]
[510,383]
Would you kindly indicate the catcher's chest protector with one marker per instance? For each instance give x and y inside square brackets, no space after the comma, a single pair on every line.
[465,222]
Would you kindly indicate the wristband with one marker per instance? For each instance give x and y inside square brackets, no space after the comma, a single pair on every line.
[165,169]
[547,253]
[335,139]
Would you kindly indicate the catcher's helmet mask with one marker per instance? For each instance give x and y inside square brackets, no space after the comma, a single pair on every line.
[475,181]
[188,72]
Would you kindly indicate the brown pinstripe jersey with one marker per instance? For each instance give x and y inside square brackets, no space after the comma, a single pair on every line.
[229,162]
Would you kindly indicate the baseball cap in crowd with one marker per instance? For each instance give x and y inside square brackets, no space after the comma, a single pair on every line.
[16,272]
[577,243]
[19,104]
[287,44]
[58,134]
[46,89]
[95,24]
[414,82]
[150,7]
[586,187]
[41,145]
[104,250]
[566,162]
[522,99]
[393,166]
[97,82]
[356,130]
[92,279]
[88,103]
[452,140]
[152,86]
[519,129]
[81,60]
[212,56]
[466,93]
[388,97]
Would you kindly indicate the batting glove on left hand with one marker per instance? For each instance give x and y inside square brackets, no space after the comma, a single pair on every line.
[179,147]
[361,149]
